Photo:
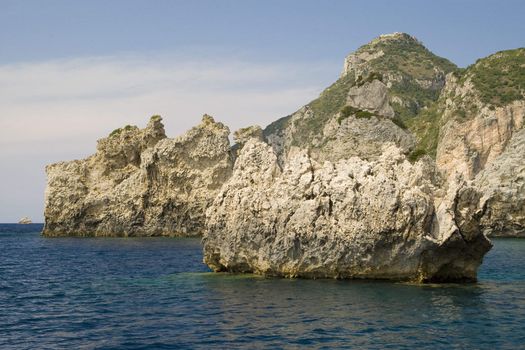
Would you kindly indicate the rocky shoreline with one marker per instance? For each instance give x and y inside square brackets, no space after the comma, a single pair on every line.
[399,170]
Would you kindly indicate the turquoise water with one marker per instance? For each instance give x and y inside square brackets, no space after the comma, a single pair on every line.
[155,293]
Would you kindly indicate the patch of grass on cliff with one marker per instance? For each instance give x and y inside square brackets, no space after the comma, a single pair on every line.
[360,81]
[364,114]
[426,128]
[410,57]
[118,131]
[416,155]
[499,78]
[329,103]
[408,61]
[332,99]
[347,111]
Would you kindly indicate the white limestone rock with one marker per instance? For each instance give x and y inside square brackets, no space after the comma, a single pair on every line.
[25,221]
[346,219]
[140,183]
[371,96]
[471,142]
[502,184]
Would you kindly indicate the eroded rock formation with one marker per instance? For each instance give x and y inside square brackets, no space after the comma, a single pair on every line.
[346,219]
[482,137]
[140,183]
[474,133]
[396,171]
[502,184]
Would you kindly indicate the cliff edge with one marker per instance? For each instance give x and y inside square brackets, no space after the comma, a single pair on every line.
[398,171]
[139,182]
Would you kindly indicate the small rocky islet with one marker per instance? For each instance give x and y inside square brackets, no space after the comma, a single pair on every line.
[399,170]
[25,221]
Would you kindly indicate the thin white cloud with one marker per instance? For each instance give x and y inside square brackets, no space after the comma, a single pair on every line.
[57,109]
[65,98]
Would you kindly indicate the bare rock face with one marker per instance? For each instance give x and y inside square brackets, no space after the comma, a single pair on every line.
[379,82]
[503,187]
[242,136]
[140,183]
[481,137]
[347,219]
[360,137]
[25,221]
[371,96]
[474,133]
[340,137]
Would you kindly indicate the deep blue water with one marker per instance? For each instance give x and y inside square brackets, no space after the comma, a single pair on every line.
[155,293]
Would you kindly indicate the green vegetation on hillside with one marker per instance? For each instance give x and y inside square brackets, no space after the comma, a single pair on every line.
[499,78]
[120,130]
[409,63]
[323,108]
[360,81]
[426,129]
[407,56]
[405,64]
[276,126]
[332,99]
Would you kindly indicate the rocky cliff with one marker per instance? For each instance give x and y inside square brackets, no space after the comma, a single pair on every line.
[347,219]
[502,184]
[140,182]
[483,111]
[398,170]
[338,191]
[482,108]
[384,84]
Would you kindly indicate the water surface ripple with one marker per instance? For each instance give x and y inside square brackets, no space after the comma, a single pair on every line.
[155,293]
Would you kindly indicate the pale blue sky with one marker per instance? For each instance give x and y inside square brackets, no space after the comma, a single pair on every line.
[72,71]
[268,30]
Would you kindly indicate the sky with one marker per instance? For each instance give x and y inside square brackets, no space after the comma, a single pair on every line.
[72,71]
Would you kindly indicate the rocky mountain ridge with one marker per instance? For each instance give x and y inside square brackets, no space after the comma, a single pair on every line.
[387,81]
[140,183]
[398,170]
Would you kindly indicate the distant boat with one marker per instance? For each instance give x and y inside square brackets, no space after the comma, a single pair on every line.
[25,220]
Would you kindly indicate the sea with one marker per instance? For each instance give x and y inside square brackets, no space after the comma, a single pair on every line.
[155,293]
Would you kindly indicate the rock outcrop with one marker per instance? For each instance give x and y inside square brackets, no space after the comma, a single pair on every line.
[482,136]
[367,105]
[140,183]
[398,170]
[371,96]
[25,221]
[349,219]
[474,133]
[503,187]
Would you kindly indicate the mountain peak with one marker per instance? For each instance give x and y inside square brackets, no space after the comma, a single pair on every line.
[391,42]
[397,36]
[396,53]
